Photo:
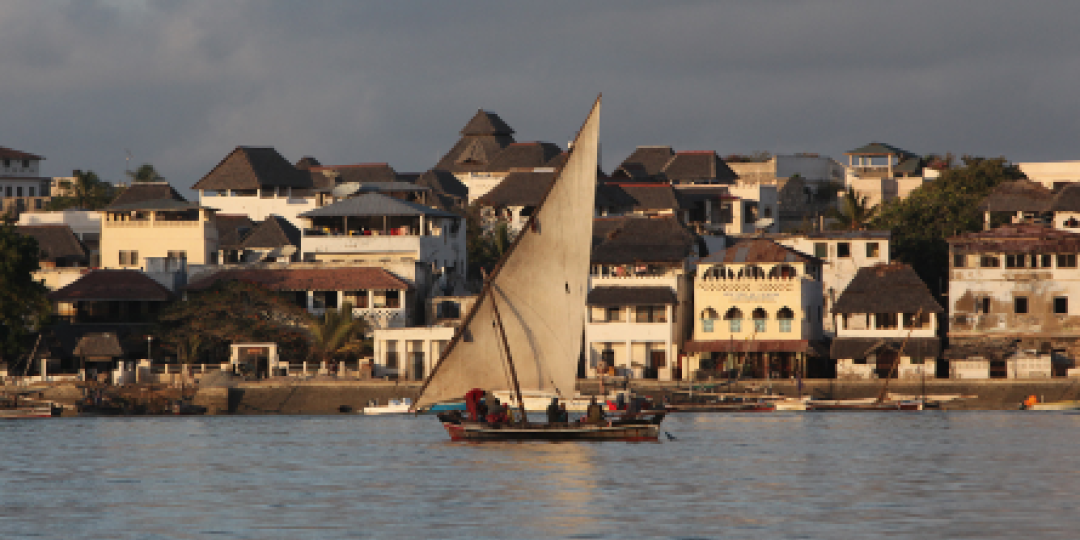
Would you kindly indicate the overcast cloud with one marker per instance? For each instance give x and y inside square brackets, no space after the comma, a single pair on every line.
[181,84]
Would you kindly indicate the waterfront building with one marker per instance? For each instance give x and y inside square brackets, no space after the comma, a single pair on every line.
[639,297]
[1017,283]
[844,254]
[85,224]
[410,353]
[758,310]
[258,182]
[1051,174]
[1025,201]
[807,184]
[886,324]
[62,258]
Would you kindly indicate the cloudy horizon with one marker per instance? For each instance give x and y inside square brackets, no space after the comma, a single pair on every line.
[180,84]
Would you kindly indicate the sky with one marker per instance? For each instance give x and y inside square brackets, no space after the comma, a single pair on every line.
[179,84]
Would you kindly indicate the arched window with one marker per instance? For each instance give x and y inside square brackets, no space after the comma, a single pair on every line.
[752,271]
[718,272]
[782,271]
[708,315]
[760,315]
[734,318]
[785,316]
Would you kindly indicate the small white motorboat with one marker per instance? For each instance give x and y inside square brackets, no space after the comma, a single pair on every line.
[394,406]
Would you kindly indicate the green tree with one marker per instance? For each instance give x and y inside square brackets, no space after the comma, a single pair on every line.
[23,305]
[336,332]
[940,208]
[485,245]
[86,191]
[854,213]
[145,173]
[234,311]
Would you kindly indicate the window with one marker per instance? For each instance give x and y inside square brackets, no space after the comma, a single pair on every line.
[821,250]
[650,314]
[983,306]
[988,261]
[1066,260]
[959,260]
[917,360]
[26,163]
[734,317]
[1015,261]
[1020,305]
[18,191]
[177,255]
[785,316]
[706,325]
[1061,305]
[129,258]
[885,321]
[1046,261]
[843,249]
[708,315]
[910,321]
[31,190]
[759,319]
[872,249]
[614,314]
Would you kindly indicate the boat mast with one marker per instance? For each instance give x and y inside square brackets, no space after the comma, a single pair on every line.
[509,359]
[899,355]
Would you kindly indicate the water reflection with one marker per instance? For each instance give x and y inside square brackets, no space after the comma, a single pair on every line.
[860,475]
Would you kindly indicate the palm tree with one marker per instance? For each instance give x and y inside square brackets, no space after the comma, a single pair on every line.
[854,211]
[335,332]
[85,191]
[145,173]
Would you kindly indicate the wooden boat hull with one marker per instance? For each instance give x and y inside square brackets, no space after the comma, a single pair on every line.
[1067,405]
[864,407]
[30,412]
[622,430]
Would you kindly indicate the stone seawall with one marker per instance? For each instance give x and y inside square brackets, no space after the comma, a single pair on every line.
[329,397]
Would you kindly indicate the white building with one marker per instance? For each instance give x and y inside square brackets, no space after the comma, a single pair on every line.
[886,324]
[639,297]
[883,172]
[1015,285]
[258,182]
[21,187]
[1051,174]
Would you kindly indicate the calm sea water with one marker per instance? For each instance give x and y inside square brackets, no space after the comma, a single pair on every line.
[835,476]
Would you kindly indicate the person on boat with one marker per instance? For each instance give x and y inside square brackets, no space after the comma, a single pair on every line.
[508,414]
[564,415]
[474,404]
[553,411]
[494,411]
[1030,401]
[595,413]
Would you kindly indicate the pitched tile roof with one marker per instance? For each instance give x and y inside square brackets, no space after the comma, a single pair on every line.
[698,165]
[886,288]
[307,163]
[272,232]
[443,181]
[1067,199]
[252,168]
[375,204]
[486,123]
[56,243]
[99,344]
[308,279]
[362,173]
[859,348]
[139,192]
[631,296]
[231,229]
[519,188]
[650,196]
[112,285]
[647,161]
[1018,196]
[760,250]
[8,153]
[1017,238]
[525,155]
[627,240]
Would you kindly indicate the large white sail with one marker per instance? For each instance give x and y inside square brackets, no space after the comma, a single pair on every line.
[540,291]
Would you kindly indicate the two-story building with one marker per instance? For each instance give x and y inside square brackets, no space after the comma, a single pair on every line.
[21,187]
[886,324]
[639,297]
[259,182]
[1017,282]
[160,228]
[757,311]
[882,172]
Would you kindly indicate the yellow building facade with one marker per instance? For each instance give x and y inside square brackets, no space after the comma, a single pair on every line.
[163,228]
[758,309]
